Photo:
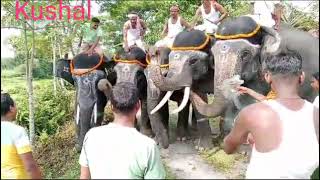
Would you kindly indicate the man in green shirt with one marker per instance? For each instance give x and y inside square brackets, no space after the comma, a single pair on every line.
[91,35]
[118,150]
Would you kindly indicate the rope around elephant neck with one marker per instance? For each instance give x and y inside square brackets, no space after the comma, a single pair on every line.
[134,61]
[161,66]
[192,48]
[236,36]
[86,72]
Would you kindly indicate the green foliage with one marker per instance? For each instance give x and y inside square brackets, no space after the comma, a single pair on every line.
[50,111]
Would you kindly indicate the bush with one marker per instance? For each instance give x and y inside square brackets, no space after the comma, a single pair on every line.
[50,111]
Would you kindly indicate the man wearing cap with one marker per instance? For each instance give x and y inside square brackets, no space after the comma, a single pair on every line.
[172,28]
[133,32]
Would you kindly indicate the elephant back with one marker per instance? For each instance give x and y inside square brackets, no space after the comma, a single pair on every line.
[246,28]
[192,40]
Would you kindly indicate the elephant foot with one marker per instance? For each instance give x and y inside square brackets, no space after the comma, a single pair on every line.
[163,139]
[204,143]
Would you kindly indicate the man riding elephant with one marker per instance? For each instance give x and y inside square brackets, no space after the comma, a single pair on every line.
[172,27]
[210,12]
[84,72]
[240,49]
[133,32]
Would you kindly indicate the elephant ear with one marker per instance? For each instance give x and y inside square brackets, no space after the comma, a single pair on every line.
[271,42]
[63,70]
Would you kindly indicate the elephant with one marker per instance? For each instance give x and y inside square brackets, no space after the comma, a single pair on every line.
[241,47]
[84,72]
[130,68]
[190,68]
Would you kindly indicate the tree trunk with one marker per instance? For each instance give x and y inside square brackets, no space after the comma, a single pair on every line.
[54,64]
[29,84]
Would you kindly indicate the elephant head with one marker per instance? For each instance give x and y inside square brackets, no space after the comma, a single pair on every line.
[190,66]
[84,72]
[240,49]
[130,67]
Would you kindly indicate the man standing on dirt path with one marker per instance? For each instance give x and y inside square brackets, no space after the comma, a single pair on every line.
[118,150]
[17,161]
[284,131]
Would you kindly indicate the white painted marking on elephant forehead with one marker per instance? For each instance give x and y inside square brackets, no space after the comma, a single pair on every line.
[78,115]
[238,40]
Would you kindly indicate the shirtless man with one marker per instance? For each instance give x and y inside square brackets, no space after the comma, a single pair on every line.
[284,131]
[209,11]
[133,32]
[172,27]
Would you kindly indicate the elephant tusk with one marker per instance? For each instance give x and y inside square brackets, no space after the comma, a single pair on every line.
[162,102]
[78,115]
[184,101]
[95,111]
[190,115]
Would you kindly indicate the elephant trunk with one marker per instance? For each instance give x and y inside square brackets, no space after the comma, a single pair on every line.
[211,110]
[175,82]
[225,83]
[105,86]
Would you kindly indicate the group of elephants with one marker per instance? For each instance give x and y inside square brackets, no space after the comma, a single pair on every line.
[195,66]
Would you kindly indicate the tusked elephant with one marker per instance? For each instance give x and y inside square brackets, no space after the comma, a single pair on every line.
[190,68]
[241,47]
[130,68]
[84,72]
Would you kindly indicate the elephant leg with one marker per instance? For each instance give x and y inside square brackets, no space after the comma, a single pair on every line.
[145,126]
[182,126]
[205,140]
[85,122]
[159,123]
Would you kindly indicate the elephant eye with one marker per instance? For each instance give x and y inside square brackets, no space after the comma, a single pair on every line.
[245,54]
[192,61]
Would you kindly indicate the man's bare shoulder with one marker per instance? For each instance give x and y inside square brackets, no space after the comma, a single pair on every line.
[259,111]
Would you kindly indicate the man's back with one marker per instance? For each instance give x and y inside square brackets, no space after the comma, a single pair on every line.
[115,151]
[285,141]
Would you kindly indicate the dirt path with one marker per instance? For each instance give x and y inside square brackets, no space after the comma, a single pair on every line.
[185,163]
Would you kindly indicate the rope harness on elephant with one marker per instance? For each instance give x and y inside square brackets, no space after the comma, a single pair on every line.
[237,36]
[138,62]
[86,72]
[201,46]
[161,66]
[134,61]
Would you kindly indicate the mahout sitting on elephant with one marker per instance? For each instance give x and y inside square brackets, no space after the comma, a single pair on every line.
[190,67]
[84,72]
[240,48]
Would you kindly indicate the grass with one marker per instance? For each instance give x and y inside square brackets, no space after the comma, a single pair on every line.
[169,174]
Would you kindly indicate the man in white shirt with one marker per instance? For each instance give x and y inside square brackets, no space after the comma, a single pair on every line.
[267,13]
[133,32]
[118,150]
[210,11]
[172,27]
